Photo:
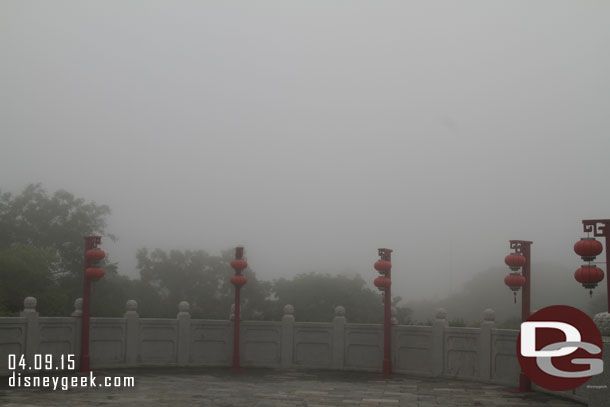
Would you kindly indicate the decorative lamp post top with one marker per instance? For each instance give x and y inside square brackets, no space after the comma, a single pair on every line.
[239,264]
[517,245]
[599,227]
[385,254]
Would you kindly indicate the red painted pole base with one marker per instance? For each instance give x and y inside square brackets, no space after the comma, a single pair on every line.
[85,364]
[236,365]
[525,385]
[386,371]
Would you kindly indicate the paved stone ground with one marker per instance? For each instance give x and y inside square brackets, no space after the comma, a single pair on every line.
[265,387]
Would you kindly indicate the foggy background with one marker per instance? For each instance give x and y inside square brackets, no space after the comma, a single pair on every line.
[315,132]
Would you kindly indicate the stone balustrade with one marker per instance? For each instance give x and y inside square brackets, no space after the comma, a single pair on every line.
[484,354]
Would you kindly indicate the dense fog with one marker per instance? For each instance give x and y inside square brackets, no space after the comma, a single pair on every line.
[315,132]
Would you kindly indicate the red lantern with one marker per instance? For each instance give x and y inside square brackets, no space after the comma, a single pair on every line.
[588,248]
[239,265]
[514,281]
[589,275]
[515,261]
[239,280]
[94,273]
[383,266]
[95,254]
[382,282]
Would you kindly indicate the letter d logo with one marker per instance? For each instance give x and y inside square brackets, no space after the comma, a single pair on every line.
[559,348]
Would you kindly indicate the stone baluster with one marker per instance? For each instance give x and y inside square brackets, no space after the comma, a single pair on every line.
[184,333]
[438,342]
[287,336]
[78,328]
[32,339]
[132,333]
[339,322]
[598,387]
[485,340]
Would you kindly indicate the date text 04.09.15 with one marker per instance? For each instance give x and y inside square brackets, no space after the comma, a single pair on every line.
[41,362]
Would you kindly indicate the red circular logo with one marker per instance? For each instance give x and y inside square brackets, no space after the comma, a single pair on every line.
[559,348]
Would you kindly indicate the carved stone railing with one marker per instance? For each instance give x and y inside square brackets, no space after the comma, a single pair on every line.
[485,354]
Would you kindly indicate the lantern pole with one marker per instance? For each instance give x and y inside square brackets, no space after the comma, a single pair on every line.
[387,325]
[601,228]
[239,264]
[236,364]
[91,242]
[384,266]
[523,247]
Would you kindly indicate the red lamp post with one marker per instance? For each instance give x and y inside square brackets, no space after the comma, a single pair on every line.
[520,259]
[384,284]
[588,248]
[93,255]
[238,280]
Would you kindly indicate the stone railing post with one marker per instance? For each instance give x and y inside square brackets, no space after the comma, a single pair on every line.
[78,308]
[132,333]
[598,387]
[287,336]
[394,319]
[32,331]
[184,333]
[487,326]
[339,322]
[438,342]
[78,327]
[232,314]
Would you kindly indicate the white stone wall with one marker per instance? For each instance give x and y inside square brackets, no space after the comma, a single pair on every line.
[483,354]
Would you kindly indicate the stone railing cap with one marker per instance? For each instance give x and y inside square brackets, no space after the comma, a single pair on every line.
[288,309]
[29,303]
[131,305]
[441,313]
[602,320]
[184,306]
[489,315]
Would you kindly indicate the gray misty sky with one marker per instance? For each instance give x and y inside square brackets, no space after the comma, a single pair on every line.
[314,132]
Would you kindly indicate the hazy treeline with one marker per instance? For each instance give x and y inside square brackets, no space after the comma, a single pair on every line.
[41,255]
[551,285]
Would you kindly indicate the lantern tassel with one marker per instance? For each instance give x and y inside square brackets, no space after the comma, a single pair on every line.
[590,293]
[515,297]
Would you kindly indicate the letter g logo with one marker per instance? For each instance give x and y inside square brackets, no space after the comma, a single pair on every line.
[554,346]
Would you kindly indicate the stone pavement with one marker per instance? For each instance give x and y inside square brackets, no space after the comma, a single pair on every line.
[274,388]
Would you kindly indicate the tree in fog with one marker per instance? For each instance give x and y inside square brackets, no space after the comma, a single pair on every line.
[57,222]
[315,296]
[202,280]
[26,271]
[41,246]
